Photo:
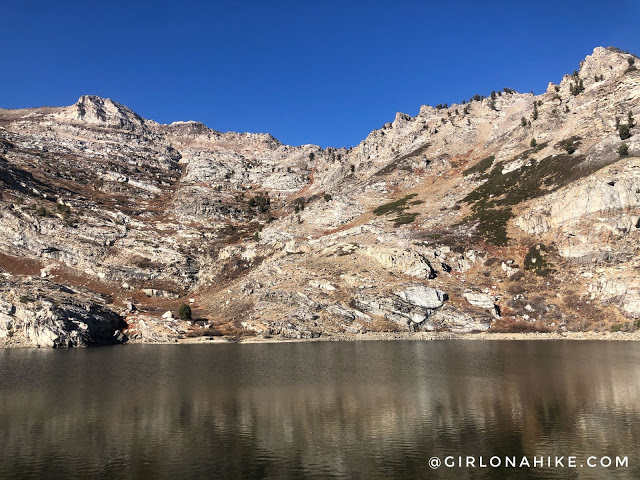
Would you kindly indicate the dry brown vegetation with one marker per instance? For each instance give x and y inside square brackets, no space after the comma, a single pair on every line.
[383,325]
[510,325]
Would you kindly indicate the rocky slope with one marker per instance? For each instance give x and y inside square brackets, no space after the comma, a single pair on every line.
[513,212]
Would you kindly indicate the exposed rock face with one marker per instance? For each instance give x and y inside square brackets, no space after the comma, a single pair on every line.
[429,298]
[408,262]
[592,219]
[616,289]
[108,216]
[411,308]
[50,315]
[107,113]
[481,300]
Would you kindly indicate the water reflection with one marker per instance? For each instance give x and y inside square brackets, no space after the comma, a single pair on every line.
[320,410]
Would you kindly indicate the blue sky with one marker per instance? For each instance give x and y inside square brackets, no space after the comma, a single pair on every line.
[325,72]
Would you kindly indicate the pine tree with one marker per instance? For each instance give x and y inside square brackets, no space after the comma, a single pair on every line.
[184,312]
[576,88]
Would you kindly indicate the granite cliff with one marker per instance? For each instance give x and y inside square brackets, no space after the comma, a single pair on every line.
[510,212]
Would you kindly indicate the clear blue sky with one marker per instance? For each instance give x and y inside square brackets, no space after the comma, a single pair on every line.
[325,72]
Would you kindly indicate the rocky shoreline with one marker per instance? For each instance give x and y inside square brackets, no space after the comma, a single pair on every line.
[416,336]
[375,336]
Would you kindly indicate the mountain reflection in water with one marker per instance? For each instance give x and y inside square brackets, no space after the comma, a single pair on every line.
[327,409]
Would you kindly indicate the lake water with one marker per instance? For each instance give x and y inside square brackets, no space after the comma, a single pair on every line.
[319,410]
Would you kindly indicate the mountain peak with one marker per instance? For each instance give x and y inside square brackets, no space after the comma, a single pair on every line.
[106,112]
[609,61]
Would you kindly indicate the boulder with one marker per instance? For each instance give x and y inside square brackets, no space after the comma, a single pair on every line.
[423,296]
[481,300]
[7,308]
[6,324]
[408,262]
[410,307]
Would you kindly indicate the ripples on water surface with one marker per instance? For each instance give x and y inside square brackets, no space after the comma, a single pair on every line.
[316,410]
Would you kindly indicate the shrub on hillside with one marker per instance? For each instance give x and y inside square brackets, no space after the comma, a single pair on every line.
[623,131]
[184,312]
[623,150]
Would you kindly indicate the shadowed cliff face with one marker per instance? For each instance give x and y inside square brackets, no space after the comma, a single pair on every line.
[512,211]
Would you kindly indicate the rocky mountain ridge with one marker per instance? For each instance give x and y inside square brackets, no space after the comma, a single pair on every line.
[514,212]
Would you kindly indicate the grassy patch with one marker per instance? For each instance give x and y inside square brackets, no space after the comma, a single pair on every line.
[397,206]
[536,261]
[492,224]
[480,167]
[491,201]
[404,219]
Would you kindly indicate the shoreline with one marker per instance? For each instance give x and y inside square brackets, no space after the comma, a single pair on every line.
[375,336]
[411,336]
